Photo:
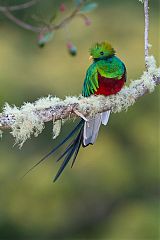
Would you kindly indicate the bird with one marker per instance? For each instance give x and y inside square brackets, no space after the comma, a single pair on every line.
[105,76]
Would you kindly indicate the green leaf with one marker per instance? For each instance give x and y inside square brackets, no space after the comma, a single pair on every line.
[88,7]
[78,2]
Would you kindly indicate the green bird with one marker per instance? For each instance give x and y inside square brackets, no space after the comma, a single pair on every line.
[105,76]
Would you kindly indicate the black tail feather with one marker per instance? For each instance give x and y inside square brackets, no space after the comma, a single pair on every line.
[79,125]
[65,140]
[73,148]
[66,151]
[78,147]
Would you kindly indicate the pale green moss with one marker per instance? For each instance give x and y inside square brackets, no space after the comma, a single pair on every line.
[56,128]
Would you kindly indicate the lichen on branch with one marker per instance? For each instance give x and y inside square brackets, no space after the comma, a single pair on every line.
[30,118]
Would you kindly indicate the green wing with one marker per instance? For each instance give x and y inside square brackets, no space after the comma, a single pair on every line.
[113,68]
[90,85]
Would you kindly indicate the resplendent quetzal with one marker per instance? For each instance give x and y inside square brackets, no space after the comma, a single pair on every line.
[105,76]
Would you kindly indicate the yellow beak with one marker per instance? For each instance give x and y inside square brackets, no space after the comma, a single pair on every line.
[90,58]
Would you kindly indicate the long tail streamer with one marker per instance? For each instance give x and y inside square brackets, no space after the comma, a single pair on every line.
[71,150]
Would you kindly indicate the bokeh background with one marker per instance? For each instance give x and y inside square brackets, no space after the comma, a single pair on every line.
[113,190]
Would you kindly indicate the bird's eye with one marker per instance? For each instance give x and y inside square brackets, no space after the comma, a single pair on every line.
[102,53]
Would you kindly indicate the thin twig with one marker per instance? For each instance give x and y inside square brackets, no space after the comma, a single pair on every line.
[80,115]
[20,23]
[20,6]
[146,31]
[69,18]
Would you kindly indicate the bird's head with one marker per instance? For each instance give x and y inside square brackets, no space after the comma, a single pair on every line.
[101,50]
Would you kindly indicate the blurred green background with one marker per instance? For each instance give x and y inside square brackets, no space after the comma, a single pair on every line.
[113,190]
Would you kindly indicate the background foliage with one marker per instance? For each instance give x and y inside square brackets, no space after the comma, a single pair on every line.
[112,192]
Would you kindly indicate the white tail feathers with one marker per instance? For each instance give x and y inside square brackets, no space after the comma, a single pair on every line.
[105,117]
[91,128]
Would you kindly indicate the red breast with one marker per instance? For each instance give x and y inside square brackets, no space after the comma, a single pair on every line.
[109,86]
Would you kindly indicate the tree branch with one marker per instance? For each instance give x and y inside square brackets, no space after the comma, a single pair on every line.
[71,106]
[29,119]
